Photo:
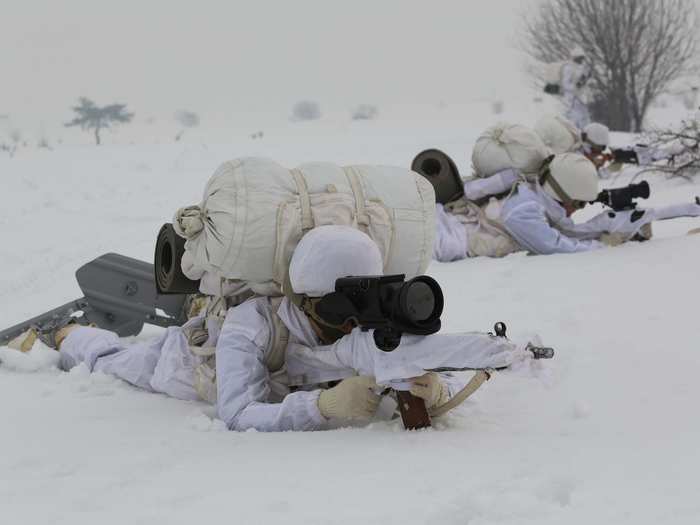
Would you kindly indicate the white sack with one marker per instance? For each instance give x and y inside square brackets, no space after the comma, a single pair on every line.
[505,146]
[254,212]
[558,134]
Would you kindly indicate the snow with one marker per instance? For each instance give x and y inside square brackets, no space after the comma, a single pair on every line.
[606,432]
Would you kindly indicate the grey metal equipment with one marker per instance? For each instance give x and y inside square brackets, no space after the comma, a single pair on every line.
[119,294]
[441,172]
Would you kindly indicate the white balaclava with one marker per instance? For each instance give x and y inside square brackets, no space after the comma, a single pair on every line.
[328,253]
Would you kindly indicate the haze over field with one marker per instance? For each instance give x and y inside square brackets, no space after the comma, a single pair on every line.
[242,62]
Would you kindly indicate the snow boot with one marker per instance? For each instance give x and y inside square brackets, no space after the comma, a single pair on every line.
[51,334]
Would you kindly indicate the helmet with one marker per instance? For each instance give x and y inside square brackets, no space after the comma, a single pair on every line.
[328,253]
[571,177]
[578,52]
[597,134]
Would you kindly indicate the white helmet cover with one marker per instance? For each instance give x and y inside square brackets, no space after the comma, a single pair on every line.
[328,253]
[575,176]
[597,134]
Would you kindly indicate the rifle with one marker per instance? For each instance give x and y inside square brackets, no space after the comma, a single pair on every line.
[616,156]
[121,294]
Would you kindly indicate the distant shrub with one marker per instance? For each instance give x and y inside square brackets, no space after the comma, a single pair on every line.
[365,112]
[186,119]
[43,143]
[306,110]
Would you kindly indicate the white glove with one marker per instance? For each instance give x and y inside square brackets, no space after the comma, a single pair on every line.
[612,239]
[430,388]
[352,398]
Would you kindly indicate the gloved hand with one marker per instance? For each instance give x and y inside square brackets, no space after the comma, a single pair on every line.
[430,388]
[352,398]
[612,239]
[645,233]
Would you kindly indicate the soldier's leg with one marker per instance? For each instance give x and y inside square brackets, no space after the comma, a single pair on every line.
[102,351]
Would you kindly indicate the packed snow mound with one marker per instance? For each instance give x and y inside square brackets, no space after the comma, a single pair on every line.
[603,433]
[40,357]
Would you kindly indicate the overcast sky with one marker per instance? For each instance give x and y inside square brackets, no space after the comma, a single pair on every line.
[225,58]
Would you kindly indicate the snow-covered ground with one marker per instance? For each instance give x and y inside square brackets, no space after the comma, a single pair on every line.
[607,432]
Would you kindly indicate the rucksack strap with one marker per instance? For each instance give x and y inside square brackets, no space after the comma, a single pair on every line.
[545,176]
[307,218]
[361,215]
[279,338]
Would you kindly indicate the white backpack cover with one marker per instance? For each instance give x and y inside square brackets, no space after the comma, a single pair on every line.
[254,212]
[552,73]
[559,134]
[506,146]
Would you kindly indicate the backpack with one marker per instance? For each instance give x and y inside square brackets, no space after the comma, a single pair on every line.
[254,212]
[552,77]
[505,146]
[558,133]
[240,238]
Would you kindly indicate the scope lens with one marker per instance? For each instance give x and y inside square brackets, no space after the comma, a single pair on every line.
[420,301]
[641,190]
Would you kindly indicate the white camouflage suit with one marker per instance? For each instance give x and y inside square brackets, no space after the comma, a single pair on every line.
[536,222]
[573,77]
[255,387]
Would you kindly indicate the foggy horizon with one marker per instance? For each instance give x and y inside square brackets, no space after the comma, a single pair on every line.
[228,60]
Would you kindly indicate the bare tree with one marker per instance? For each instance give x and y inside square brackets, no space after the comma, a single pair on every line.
[636,48]
[15,138]
[90,116]
[675,150]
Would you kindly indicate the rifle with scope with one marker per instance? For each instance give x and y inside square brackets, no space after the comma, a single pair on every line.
[122,294]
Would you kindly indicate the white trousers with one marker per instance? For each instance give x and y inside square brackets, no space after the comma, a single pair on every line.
[164,364]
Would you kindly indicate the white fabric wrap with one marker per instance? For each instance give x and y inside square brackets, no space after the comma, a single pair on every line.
[188,222]
[254,212]
[506,146]
[552,73]
[559,134]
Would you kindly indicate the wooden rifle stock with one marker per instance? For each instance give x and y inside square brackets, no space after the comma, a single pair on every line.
[414,414]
